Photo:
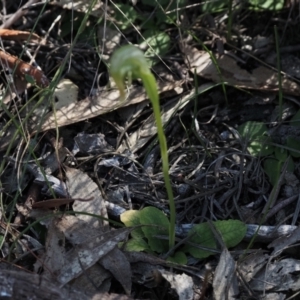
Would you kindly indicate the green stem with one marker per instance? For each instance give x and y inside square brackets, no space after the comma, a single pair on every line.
[151,89]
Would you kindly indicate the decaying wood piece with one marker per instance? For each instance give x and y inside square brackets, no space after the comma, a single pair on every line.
[22,285]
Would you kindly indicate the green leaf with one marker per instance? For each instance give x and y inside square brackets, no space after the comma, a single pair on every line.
[273,167]
[154,3]
[255,133]
[158,44]
[124,14]
[131,218]
[70,16]
[251,130]
[295,121]
[212,6]
[179,257]
[30,79]
[137,245]
[267,4]
[232,232]
[160,226]
[281,154]
[261,147]
[293,143]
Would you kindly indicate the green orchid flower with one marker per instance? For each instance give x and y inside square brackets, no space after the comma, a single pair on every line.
[130,62]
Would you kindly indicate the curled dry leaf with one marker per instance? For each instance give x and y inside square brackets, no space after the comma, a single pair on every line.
[22,68]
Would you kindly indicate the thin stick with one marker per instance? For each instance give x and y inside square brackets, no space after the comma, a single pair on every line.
[18,14]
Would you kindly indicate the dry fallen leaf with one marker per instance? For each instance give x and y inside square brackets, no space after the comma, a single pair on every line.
[225,284]
[119,266]
[229,72]
[87,108]
[88,253]
[23,285]
[106,102]
[80,185]
[279,276]
[284,242]
[111,39]
[86,246]
[66,93]
[181,283]
[81,6]
[252,264]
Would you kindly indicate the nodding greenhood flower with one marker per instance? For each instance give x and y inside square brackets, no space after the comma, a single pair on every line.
[129,61]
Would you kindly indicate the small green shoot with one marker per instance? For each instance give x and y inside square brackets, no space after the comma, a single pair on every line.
[129,61]
[179,257]
[255,134]
[30,79]
[158,44]
[214,6]
[295,121]
[260,5]
[260,144]
[293,143]
[273,167]
[124,16]
[279,76]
